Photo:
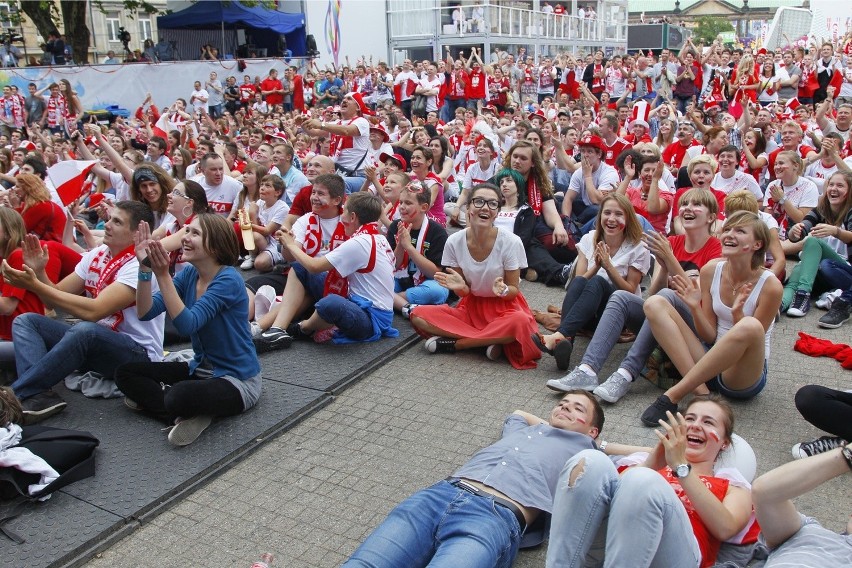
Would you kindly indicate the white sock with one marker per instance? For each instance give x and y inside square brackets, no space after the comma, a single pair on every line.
[588,370]
[624,373]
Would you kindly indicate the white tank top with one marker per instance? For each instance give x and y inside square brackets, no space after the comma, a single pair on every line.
[724,318]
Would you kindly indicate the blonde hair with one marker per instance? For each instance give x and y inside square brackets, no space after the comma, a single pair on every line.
[793,157]
[34,190]
[14,230]
[702,196]
[702,159]
[741,200]
[758,227]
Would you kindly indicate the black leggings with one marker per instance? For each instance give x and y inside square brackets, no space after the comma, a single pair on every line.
[827,409]
[167,391]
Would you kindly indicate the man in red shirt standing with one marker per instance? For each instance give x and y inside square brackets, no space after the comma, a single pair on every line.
[247,91]
[272,89]
[614,144]
[456,80]
[475,90]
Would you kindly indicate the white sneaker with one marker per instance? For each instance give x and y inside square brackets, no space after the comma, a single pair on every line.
[255,329]
[494,352]
[263,300]
[186,431]
[576,379]
[248,263]
[615,387]
[826,298]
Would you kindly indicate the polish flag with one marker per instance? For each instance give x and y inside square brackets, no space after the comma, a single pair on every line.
[68,177]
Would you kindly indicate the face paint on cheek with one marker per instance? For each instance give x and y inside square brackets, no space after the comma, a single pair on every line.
[581,421]
[713,434]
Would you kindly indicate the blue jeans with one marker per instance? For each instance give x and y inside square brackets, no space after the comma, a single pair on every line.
[584,304]
[46,351]
[442,526]
[427,292]
[354,183]
[607,520]
[625,309]
[836,274]
[350,319]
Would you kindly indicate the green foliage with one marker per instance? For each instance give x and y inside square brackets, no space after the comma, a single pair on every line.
[708,27]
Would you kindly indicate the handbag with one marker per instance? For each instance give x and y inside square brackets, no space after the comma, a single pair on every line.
[419,104]
[660,371]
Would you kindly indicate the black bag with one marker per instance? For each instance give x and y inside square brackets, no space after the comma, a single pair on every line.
[70,452]
[418,105]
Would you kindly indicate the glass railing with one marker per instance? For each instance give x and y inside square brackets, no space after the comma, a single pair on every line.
[416,19]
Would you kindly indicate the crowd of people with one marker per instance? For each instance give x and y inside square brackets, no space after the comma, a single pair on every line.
[431,189]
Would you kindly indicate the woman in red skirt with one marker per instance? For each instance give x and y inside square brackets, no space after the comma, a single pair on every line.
[482,266]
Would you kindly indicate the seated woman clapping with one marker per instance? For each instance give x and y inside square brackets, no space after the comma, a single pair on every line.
[482,265]
[207,301]
[733,309]
[612,257]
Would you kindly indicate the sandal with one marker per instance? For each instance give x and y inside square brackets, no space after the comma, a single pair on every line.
[538,339]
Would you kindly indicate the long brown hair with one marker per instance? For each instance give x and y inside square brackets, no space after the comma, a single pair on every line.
[538,170]
[632,228]
[167,183]
[823,207]
[13,230]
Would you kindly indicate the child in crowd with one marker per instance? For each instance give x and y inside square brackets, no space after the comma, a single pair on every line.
[271,213]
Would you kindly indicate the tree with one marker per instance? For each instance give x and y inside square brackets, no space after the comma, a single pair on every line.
[45,15]
[708,27]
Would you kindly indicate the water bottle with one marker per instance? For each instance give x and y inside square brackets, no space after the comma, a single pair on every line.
[265,561]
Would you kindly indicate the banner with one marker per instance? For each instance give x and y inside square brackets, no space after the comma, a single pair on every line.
[126,85]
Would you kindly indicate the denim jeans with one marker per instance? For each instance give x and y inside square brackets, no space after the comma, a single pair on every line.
[428,292]
[836,274]
[350,319]
[442,526]
[584,303]
[814,251]
[625,310]
[46,351]
[634,520]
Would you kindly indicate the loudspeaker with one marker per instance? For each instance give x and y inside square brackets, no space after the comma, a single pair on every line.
[655,36]
[282,45]
[311,45]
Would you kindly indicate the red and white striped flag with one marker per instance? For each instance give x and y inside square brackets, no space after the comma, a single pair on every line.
[68,177]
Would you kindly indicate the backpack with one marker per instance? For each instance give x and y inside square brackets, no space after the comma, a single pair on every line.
[70,452]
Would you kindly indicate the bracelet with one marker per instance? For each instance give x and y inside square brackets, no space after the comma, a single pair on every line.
[504,292]
[602,446]
[846,452]
[145,275]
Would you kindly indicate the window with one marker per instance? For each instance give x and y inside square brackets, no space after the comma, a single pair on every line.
[144,30]
[113,22]
[5,16]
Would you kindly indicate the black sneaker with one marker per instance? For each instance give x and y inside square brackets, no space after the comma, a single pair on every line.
[294,330]
[41,406]
[801,304]
[272,339]
[437,344]
[657,411]
[814,447]
[837,315]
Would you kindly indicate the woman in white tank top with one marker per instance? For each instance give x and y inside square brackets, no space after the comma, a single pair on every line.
[734,311]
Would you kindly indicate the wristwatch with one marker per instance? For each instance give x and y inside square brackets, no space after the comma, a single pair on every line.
[682,470]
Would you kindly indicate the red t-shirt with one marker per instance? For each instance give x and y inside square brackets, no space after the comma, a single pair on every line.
[247,91]
[674,153]
[45,220]
[613,151]
[803,151]
[28,302]
[712,249]
[476,84]
[272,85]
[302,202]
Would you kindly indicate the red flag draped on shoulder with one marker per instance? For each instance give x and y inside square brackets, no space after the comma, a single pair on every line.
[68,178]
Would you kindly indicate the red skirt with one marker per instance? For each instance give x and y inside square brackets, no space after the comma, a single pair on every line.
[478,317]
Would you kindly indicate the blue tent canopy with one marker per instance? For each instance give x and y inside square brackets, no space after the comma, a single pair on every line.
[262,25]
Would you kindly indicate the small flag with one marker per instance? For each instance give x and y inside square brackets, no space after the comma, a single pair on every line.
[68,177]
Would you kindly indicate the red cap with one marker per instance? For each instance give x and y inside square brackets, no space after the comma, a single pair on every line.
[593,141]
[362,106]
[384,157]
[381,130]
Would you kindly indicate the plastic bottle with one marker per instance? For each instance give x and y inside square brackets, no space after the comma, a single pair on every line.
[265,561]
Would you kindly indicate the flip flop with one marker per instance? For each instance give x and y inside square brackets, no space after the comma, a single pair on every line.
[539,342]
[562,354]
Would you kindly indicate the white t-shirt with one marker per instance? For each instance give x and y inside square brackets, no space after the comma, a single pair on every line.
[508,254]
[818,173]
[327,226]
[199,100]
[803,193]
[476,175]
[431,100]
[506,220]
[402,79]
[221,197]
[636,255]
[353,148]
[122,188]
[740,180]
[354,255]
[605,178]
[148,334]
[277,213]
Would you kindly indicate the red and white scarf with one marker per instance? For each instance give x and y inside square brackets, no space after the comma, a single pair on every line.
[337,284]
[402,269]
[102,272]
[313,236]
[534,195]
